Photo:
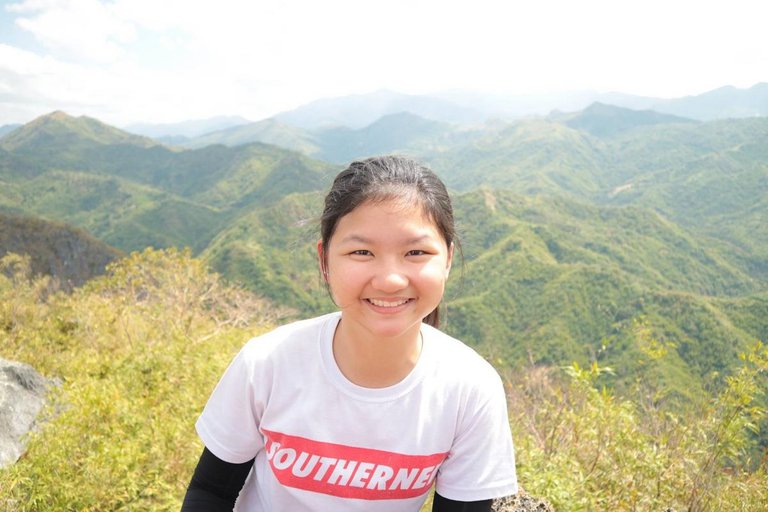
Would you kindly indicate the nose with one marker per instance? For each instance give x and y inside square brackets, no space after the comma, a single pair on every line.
[389,278]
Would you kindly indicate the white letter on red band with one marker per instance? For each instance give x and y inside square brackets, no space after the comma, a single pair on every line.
[349,471]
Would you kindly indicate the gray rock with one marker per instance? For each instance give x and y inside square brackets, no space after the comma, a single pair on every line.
[522,502]
[22,396]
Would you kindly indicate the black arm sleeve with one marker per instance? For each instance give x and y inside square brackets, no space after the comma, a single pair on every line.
[440,504]
[215,484]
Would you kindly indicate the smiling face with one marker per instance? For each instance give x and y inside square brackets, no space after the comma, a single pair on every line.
[386,265]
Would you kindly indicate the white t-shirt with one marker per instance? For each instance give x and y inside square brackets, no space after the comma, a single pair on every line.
[322,443]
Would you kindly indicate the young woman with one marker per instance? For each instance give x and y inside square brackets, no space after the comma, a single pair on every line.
[366,408]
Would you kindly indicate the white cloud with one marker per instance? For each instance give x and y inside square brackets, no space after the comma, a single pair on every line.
[135,60]
[76,29]
[40,81]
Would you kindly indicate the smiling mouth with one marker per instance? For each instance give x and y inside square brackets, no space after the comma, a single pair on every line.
[388,304]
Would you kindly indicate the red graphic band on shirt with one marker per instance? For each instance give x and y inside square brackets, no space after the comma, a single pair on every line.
[349,471]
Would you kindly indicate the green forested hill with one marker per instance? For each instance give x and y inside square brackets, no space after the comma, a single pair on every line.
[582,241]
[713,180]
[559,281]
[268,131]
[59,133]
[707,177]
[402,132]
[272,251]
[133,193]
[600,119]
[530,157]
[125,214]
[215,174]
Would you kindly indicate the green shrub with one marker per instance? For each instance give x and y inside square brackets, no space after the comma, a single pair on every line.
[137,353]
[584,448]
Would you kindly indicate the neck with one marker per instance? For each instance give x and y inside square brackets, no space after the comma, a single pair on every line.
[371,362]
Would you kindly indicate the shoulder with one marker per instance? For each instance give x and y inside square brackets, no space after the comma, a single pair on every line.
[453,358]
[283,353]
[291,339]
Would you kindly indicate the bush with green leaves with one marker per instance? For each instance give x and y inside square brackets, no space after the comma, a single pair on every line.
[137,352]
[585,448]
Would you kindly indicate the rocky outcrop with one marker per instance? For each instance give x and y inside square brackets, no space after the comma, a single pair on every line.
[69,254]
[522,502]
[22,396]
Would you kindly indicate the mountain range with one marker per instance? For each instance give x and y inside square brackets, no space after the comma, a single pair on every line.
[173,132]
[577,227]
[466,107]
[458,108]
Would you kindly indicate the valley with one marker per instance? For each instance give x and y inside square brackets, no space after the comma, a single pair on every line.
[574,227]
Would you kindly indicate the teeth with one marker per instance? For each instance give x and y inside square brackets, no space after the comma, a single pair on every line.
[385,304]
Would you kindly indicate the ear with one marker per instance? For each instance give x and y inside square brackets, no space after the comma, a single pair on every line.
[321,260]
[450,260]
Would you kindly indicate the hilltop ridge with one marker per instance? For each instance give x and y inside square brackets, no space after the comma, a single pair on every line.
[51,132]
[601,119]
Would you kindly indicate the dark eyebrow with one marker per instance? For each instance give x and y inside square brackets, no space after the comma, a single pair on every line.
[418,240]
[355,238]
[364,240]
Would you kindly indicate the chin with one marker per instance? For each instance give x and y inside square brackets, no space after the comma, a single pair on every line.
[394,331]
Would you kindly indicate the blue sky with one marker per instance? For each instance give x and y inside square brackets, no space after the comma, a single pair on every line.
[126,61]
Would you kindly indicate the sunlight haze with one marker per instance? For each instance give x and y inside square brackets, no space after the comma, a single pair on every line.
[145,61]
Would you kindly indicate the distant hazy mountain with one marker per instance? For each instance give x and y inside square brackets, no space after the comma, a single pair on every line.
[467,107]
[8,128]
[401,132]
[455,107]
[268,131]
[725,102]
[358,111]
[600,119]
[188,129]
[510,107]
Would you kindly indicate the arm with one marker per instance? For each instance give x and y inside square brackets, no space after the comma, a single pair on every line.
[441,504]
[481,462]
[215,484]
